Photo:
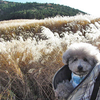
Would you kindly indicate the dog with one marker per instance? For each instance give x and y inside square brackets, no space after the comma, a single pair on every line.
[80,58]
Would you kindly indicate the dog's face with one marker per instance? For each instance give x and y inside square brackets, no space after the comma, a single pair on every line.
[81,58]
[80,65]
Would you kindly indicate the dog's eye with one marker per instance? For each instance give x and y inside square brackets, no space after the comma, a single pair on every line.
[75,59]
[85,59]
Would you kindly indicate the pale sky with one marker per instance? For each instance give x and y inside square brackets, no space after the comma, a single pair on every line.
[89,6]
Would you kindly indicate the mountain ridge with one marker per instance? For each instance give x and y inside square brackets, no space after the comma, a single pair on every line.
[15,10]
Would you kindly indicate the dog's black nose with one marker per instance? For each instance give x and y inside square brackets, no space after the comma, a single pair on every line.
[80,68]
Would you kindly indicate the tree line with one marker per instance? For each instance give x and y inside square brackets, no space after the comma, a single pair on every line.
[12,10]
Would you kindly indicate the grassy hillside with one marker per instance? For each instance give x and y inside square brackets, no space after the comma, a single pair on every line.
[13,10]
[31,52]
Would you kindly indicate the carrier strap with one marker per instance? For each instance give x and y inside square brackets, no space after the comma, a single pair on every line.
[96,88]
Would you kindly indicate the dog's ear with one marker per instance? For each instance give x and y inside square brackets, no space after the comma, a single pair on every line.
[95,61]
[65,58]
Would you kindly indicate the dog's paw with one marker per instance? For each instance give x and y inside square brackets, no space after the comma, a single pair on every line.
[63,89]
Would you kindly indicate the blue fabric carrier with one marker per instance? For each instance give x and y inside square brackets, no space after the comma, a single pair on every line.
[76,79]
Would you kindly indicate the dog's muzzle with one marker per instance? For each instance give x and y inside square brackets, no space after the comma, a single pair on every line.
[80,68]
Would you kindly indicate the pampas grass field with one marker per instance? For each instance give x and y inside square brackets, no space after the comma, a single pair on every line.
[31,53]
